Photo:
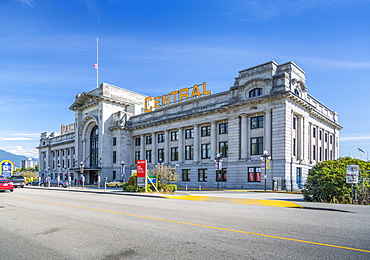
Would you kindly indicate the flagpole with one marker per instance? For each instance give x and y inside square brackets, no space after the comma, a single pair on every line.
[97,64]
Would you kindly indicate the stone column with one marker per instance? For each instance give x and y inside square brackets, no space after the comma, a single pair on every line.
[181,145]
[166,147]
[142,147]
[196,143]
[213,140]
[268,125]
[154,149]
[243,137]
[300,136]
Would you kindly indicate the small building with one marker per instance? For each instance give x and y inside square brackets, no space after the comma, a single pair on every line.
[266,129]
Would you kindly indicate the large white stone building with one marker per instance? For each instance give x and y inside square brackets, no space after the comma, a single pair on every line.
[267,109]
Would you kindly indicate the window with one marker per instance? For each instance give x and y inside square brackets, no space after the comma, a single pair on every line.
[114,156]
[296,91]
[189,152]
[174,136]
[257,122]
[223,147]
[94,147]
[299,177]
[331,139]
[314,132]
[326,154]
[256,145]
[148,139]
[221,175]
[137,141]
[314,152]
[223,128]
[148,156]
[160,155]
[114,175]
[137,156]
[189,133]
[255,92]
[294,123]
[326,137]
[206,151]
[320,153]
[174,154]
[205,130]
[254,174]
[202,175]
[320,135]
[294,147]
[114,141]
[160,138]
[186,175]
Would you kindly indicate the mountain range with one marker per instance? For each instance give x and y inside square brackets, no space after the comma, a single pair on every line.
[16,159]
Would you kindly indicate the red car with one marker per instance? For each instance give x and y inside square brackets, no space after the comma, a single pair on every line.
[6,184]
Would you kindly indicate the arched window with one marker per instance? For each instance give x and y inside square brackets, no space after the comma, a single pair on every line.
[255,92]
[94,147]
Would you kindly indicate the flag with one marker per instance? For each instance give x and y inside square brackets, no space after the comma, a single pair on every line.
[361,150]
[96,65]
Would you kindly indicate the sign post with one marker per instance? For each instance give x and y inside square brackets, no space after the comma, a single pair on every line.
[352,174]
[141,169]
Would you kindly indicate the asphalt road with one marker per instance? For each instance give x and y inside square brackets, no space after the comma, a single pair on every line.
[62,224]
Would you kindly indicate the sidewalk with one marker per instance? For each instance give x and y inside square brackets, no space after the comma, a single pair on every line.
[247,197]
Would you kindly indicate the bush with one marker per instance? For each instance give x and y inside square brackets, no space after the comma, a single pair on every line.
[326,181]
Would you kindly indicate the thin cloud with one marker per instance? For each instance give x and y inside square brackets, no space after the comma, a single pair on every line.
[15,139]
[354,138]
[27,2]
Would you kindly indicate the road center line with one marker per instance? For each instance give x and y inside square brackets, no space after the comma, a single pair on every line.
[196,225]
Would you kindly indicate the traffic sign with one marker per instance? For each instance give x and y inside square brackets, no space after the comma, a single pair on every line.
[352,173]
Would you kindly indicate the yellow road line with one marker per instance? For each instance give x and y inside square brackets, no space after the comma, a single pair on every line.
[198,225]
[272,203]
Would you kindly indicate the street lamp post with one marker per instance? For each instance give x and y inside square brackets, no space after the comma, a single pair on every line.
[82,173]
[264,159]
[218,162]
[123,175]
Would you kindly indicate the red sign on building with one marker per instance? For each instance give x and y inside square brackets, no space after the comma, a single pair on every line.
[141,168]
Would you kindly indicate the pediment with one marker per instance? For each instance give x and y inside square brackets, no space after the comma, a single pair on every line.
[84,100]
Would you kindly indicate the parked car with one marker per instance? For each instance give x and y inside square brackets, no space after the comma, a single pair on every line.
[18,181]
[6,184]
[32,183]
[114,183]
[54,183]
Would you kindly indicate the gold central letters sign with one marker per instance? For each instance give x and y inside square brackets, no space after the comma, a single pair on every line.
[178,96]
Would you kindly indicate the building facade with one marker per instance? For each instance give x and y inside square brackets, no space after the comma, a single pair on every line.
[267,112]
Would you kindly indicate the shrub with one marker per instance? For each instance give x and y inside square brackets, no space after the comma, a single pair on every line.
[326,181]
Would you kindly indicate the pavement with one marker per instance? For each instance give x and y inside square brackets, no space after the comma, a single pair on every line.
[247,197]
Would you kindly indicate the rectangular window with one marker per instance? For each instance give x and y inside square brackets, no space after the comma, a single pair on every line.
[256,145]
[223,148]
[205,130]
[174,154]
[148,156]
[189,152]
[314,152]
[314,132]
[189,133]
[331,139]
[326,137]
[294,123]
[254,174]
[114,175]
[202,175]
[160,155]
[137,156]
[114,156]
[257,122]
[114,141]
[148,139]
[174,136]
[206,151]
[137,141]
[223,128]
[221,175]
[186,175]
[294,147]
[326,154]
[320,135]
[160,138]
[320,153]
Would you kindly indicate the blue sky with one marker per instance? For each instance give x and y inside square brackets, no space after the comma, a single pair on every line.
[47,51]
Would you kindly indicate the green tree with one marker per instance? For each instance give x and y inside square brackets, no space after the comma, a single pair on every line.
[326,182]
